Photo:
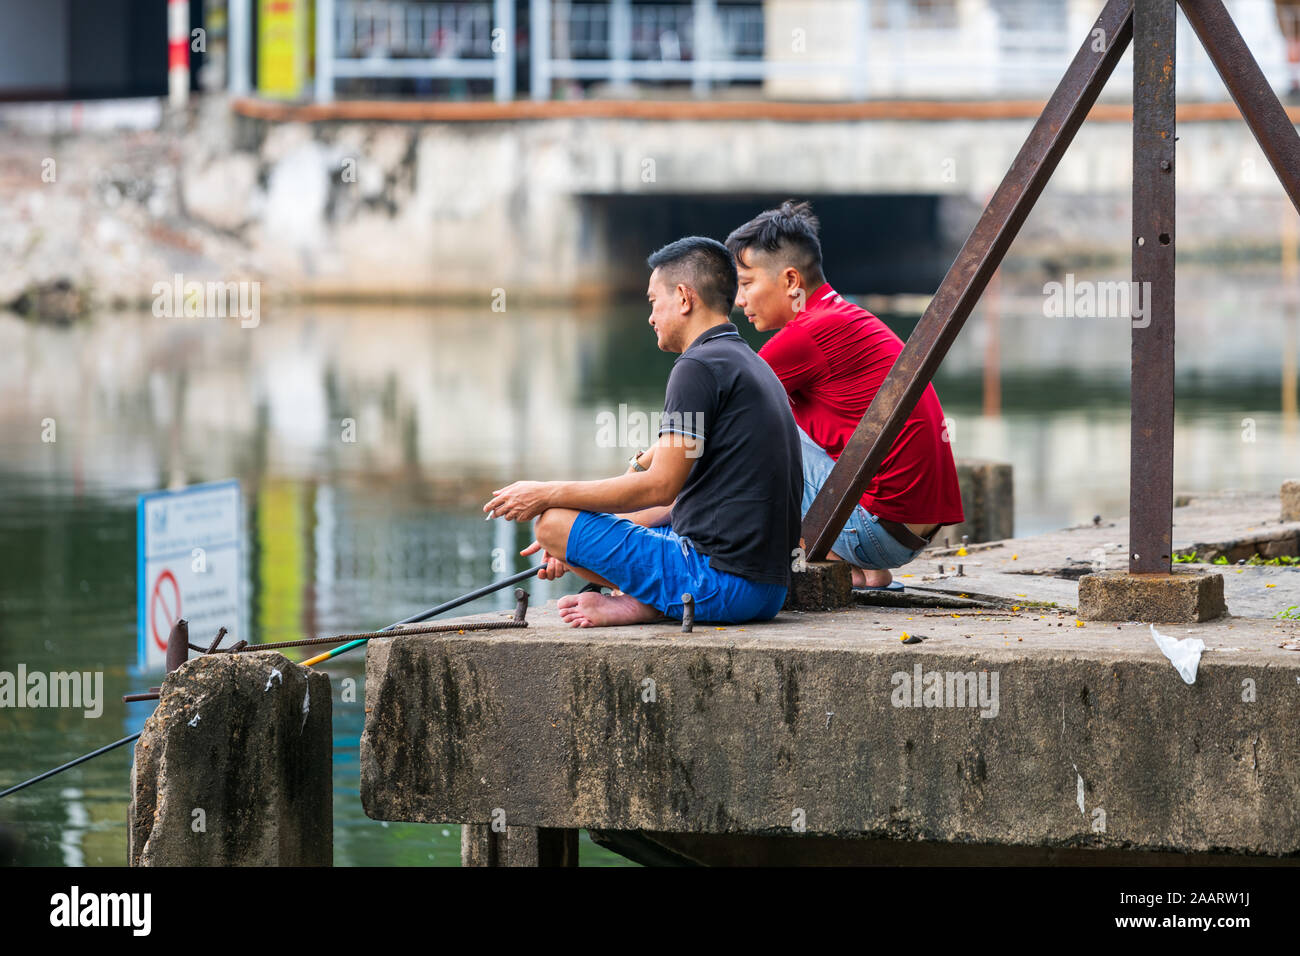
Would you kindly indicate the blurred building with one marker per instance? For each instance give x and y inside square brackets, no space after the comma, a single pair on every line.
[82,49]
[559,49]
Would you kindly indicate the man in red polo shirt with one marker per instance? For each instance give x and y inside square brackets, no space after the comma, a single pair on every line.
[832,358]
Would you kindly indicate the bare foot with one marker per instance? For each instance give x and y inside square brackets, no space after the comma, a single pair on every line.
[590,609]
[872,579]
[862,578]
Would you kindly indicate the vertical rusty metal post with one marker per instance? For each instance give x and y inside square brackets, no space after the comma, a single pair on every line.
[1151,453]
[970,272]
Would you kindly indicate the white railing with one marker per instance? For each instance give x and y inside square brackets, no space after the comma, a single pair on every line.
[466,39]
[901,47]
[882,49]
[703,42]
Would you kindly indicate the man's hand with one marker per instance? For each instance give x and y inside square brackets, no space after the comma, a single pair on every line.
[553,568]
[520,500]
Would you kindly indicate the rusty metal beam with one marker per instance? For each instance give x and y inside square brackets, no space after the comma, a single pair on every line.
[970,272]
[1151,446]
[1260,106]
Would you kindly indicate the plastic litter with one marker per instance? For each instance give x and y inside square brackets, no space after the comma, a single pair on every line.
[1184,654]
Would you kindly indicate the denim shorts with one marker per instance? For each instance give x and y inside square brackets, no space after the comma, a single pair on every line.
[657,566]
[862,542]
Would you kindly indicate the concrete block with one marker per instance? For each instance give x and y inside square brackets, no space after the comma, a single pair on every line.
[1291,500]
[987,499]
[234,767]
[1178,598]
[820,586]
[1280,547]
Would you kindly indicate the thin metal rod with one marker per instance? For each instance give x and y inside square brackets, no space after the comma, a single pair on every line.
[466,598]
[414,619]
[70,763]
[1250,90]
[961,287]
[1151,445]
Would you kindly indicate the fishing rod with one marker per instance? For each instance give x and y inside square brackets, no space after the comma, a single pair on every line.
[413,619]
[71,763]
[432,612]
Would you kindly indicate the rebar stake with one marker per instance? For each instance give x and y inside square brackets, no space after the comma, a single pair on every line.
[688,613]
[216,640]
[178,645]
[521,604]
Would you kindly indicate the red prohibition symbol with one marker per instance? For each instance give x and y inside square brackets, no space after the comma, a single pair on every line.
[164,607]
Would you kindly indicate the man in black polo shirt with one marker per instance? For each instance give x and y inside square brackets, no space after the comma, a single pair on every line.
[713,509]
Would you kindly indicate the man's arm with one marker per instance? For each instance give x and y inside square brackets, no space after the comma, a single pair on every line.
[667,464]
[650,517]
[653,517]
[656,487]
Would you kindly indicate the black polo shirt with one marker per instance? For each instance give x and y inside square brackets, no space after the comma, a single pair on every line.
[740,503]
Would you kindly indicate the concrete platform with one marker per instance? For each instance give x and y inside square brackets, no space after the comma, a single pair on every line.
[1046,568]
[1012,732]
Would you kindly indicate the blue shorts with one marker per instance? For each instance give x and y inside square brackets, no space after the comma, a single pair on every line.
[657,566]
[862,542]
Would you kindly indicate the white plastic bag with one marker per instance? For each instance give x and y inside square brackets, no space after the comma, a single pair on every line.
[1184,654]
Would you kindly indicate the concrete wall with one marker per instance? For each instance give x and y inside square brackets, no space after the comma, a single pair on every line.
[446,209]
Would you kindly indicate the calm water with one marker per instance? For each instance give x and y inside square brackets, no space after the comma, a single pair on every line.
[446,405]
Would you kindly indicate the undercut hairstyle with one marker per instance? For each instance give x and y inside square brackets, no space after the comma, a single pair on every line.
[788,234]
[703,264]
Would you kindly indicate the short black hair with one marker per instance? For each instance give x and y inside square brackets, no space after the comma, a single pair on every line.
[790,229]
[703,264]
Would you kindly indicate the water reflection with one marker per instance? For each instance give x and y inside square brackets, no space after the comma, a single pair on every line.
[366,440]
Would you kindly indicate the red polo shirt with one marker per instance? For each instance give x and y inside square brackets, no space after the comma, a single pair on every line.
[832,359]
